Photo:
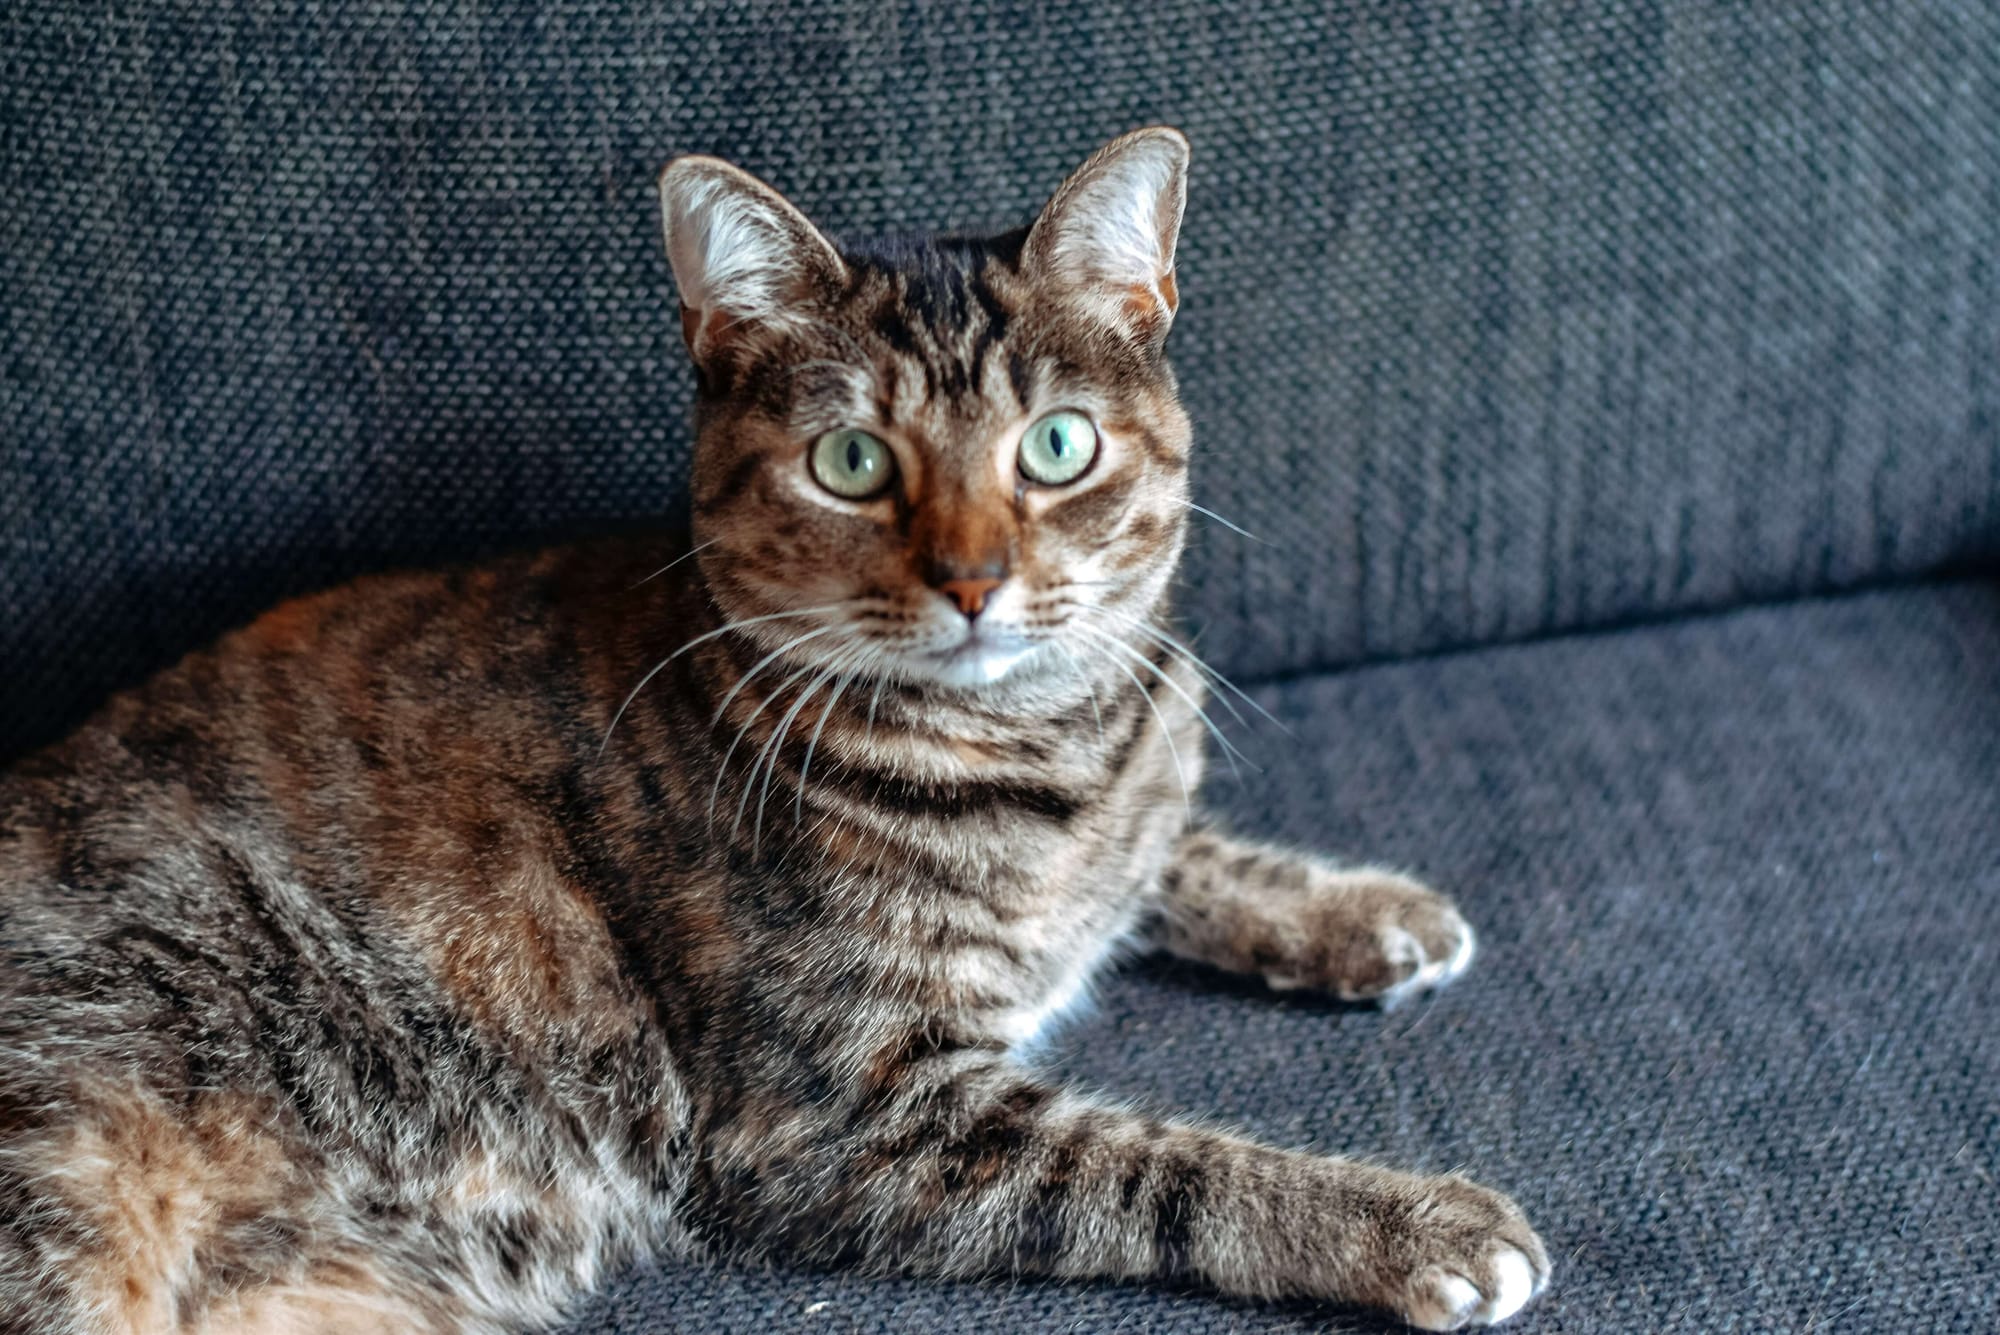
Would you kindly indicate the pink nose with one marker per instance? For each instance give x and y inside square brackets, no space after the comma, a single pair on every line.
[969,594]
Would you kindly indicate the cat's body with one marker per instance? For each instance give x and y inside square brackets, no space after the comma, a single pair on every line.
[396,965]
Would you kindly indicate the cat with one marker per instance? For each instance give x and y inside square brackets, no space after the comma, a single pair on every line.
[432,948]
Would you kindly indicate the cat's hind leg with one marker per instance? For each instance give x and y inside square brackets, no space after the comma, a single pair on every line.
[125,1213]
[1361,934]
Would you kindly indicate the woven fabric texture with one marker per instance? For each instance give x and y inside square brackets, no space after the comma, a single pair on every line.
[1733,1036]
[1499,319]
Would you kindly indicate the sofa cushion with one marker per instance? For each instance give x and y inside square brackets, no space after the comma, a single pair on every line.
[1733,1036]
[1499,319]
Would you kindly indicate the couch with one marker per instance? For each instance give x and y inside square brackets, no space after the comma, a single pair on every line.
[1612,391]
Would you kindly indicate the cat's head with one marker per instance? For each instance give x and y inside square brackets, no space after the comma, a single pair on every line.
[968,453]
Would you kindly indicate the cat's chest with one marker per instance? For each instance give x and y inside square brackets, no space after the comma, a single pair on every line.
[1073,907]
[1064,967]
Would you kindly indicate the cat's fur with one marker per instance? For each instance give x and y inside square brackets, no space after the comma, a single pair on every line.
[351,979]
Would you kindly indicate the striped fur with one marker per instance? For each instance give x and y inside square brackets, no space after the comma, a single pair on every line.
[432,947]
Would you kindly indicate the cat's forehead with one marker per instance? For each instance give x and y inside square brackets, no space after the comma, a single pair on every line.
[928,334]
[943,303]
[938,276]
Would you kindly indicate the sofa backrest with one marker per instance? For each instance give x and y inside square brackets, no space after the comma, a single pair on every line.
[1499,320]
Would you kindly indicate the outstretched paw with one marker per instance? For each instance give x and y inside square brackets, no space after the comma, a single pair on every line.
[1468,1258]
[1371,935]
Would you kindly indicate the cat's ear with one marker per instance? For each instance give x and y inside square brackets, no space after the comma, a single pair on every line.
[1107,237]
[743,257]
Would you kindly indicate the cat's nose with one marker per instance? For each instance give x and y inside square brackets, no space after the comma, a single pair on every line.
[969,595]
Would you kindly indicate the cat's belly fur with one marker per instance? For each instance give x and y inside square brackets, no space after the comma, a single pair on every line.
[433,1049]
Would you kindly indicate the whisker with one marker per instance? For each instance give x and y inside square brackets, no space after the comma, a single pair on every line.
[1166,733]
[1231,525]
[868,734]
[1195,661]
[722,771]
[1090,685]
[858,656]
[760,665]
[1229,751]
[1188,658]
[767,759]
[677,560]
[708,635]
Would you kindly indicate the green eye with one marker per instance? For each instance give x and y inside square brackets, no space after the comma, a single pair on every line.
[852,464]
[1057,448]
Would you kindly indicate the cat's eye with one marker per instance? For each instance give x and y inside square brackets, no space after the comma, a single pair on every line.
[1057,448]
[852,464]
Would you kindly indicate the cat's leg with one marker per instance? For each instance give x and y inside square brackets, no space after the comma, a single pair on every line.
[1360,933]
[973,1167]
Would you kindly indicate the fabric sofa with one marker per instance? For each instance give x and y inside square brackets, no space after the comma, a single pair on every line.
[1613,392]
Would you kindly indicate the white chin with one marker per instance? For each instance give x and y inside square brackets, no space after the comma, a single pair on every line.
[974,665]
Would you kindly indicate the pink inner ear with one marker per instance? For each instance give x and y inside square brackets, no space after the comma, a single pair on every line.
[1140,305]
[1143,307]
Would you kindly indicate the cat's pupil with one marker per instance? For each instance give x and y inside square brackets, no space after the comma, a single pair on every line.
[1055,442]
[853,456]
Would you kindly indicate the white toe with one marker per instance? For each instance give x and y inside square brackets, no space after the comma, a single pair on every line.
[1513,1285]
[1439,972]
[1400,947]
[1461,958]
[1445,1302]
[1398,944]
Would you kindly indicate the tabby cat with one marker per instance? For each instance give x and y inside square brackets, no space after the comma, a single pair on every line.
[431,948]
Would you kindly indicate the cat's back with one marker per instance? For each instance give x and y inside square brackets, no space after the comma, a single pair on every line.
[376,780]
[392,700]
[273,925]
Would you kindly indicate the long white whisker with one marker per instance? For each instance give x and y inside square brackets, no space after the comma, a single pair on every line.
[1176,651]
[768,759]
[1228,524]
[760,665]
[722,770]
[856,658]
[822,670]
[678,559]
[1229,751]
[1193,659]
[709,635]
[1174,752]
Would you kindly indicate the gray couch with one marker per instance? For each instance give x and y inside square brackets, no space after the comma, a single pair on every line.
[1613,391]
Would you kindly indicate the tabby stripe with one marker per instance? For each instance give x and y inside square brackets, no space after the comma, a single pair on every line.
[908,797]
[994,331]
[1021,376]
[1042,1234]
[740,476]
[1174,1208]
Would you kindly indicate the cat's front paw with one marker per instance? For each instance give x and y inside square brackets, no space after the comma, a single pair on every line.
[1371,935]
[1460,1255]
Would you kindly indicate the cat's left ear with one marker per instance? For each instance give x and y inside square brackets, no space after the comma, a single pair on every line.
[743,257]
[1107,237]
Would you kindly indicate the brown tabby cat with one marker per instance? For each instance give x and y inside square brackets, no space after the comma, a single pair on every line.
[399,964]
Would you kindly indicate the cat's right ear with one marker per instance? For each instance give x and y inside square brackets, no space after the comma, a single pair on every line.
[1106,240]
[743,257]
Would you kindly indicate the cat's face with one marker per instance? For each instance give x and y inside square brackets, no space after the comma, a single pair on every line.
[967,455]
